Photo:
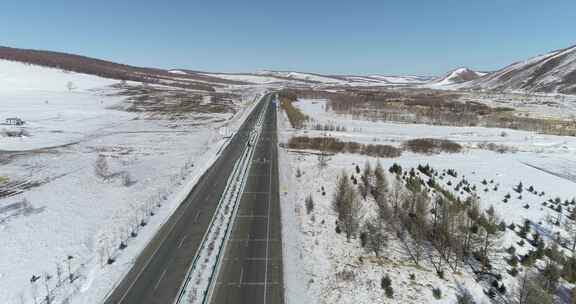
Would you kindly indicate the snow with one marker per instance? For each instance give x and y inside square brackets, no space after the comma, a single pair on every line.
[250,78]
[458,75]
[311,79]
[178,72]
[400,79]
[74,212]
[543,73]
[16,77]
[204,269]
[314,254]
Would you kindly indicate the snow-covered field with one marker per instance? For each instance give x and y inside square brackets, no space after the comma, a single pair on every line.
[320,261]
[58,206]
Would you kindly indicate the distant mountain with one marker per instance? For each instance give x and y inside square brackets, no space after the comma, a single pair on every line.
[459,75]
[315,79]
[554,72]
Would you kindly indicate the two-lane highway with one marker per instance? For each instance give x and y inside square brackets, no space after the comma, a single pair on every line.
[161,268]
[251,270]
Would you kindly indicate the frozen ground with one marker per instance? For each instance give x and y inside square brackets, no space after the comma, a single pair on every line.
[317,258]
[53,205]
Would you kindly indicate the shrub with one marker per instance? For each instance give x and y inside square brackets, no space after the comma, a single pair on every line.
[498,148]
[386,284]
[432,146]
[396,169]
[440,274]
[437,293]
[334,145]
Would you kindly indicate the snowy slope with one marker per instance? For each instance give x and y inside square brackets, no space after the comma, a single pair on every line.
[69,210]
[16,76]
[552,72]
[305,77]
[401,79]
[459,75]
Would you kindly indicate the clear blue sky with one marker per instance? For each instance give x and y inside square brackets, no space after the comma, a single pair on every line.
[424,37]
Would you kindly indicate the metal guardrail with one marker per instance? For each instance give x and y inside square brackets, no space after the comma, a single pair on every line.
[246,158]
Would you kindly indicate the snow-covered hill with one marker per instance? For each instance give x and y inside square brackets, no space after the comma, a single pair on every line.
[314,79]
[554,72]
[459,75]
[53,204]
[16,76]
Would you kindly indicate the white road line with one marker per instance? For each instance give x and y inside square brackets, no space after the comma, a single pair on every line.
[160,279]
[241,275]
[182,241]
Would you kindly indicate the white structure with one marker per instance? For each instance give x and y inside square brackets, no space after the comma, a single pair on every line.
[15,121]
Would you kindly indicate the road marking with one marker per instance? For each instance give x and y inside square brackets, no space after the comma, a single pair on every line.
[160,279]
[248,283]
[199,184]
[182,241]
[241,275]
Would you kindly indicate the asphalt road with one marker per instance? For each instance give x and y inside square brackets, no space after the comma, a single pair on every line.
[161,268]
[251,270]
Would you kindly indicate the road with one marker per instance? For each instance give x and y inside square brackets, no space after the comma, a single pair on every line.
[159,271]
[251,270]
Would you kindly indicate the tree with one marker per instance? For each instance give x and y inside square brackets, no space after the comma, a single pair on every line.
[570,225]
[309,204]
[70,86]
[343,185]
[396,194]
[489,225]
[366,179]
[347,206]
[376,240]
[550,276]
[381,186]
[350,213]
[530,291]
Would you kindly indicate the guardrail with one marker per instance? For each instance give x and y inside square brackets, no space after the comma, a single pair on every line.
[241,168]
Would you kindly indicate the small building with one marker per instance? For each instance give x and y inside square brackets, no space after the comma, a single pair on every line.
[14,121]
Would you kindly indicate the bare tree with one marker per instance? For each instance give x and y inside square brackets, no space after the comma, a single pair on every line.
[570,226]
[367,177]
[70,86]
[350,213]
[396,194]
[381,186]
[101,167]
[345,204]
[530,291]
[377,239]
